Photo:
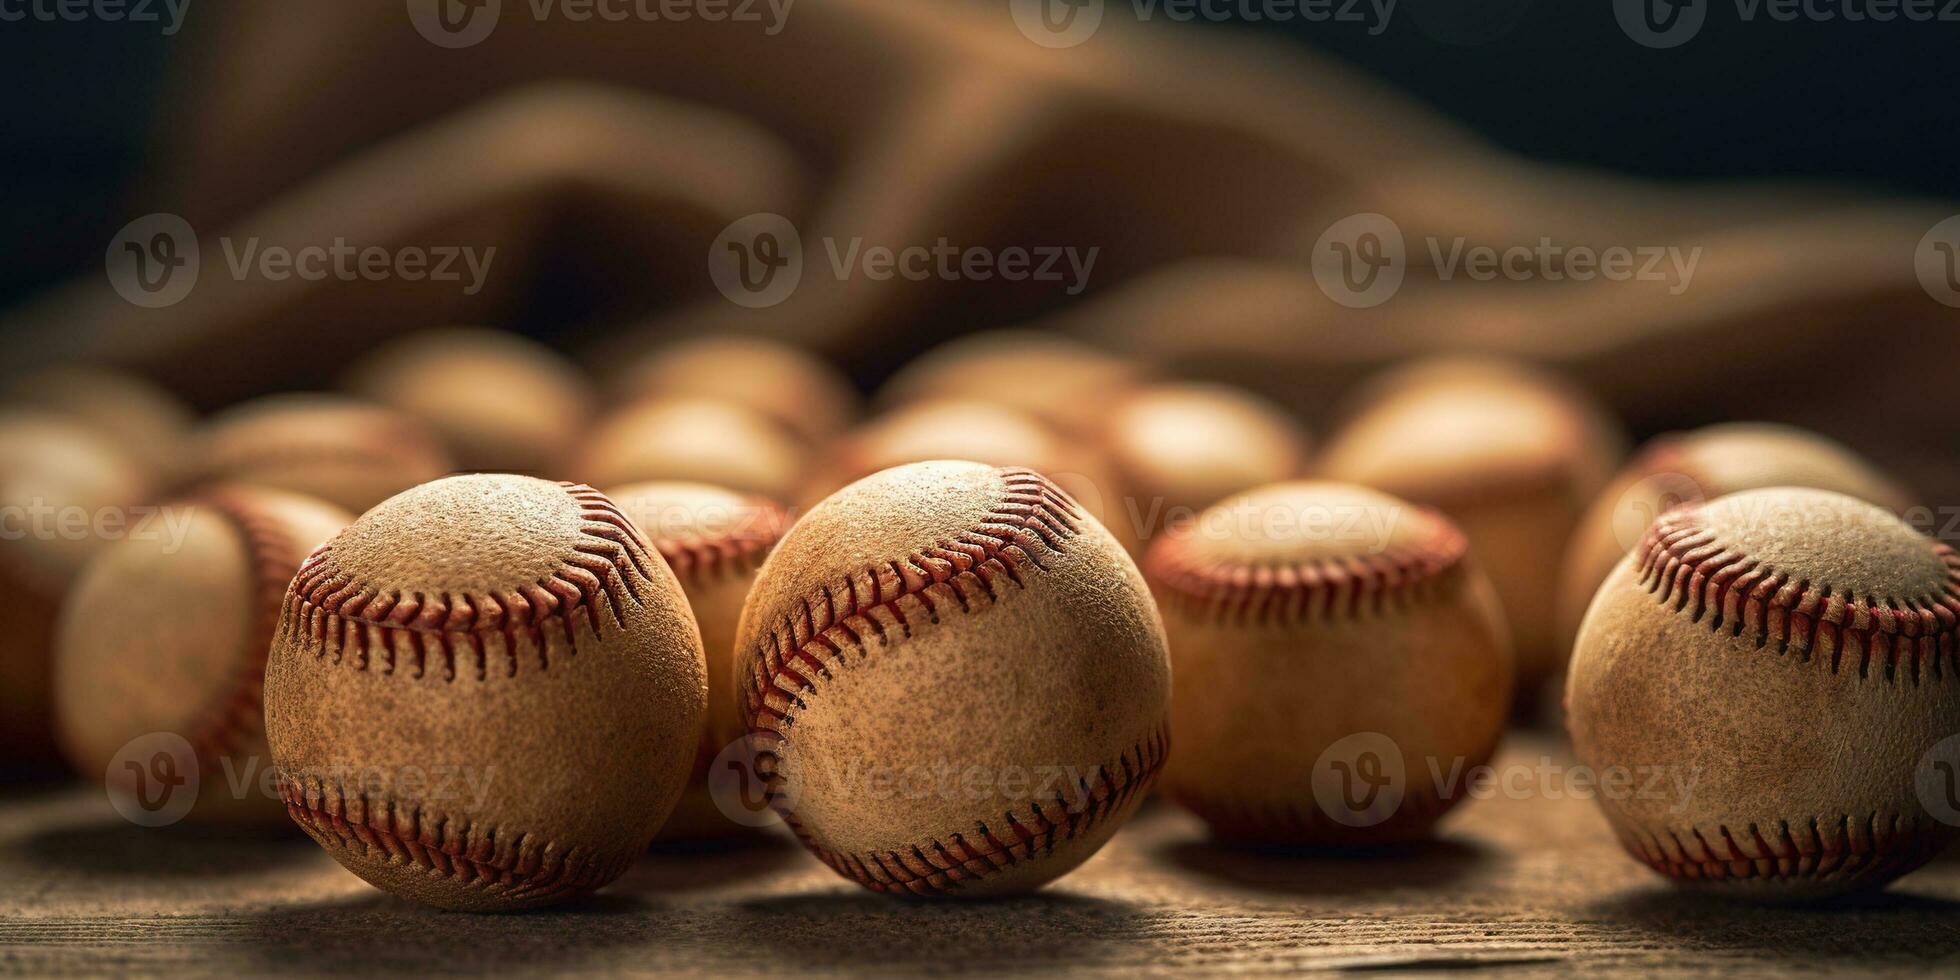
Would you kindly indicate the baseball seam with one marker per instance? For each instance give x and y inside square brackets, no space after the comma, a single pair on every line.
[702,557]
[811,642]
[369,628]
[943,865]
[1687,569]
[1291,593]
[515,867]
[238,717]
[1820,848]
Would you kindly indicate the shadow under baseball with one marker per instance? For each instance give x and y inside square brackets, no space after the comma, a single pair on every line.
[1889,928]
[120,849]
[375,933]
[1028,933]
[1328,871]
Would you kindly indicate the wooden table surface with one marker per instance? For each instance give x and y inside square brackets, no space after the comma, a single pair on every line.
[1527,884]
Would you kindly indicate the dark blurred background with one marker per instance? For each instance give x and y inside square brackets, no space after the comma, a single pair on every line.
[1869,104]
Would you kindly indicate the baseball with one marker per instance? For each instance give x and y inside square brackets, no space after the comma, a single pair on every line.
[1077,381]
[146,421]
[346,452]
[692,440]
[1179,448]
[1334,648]
[63,489]
[1780,662]
[957,618]
[1690,467]
[979,431]
[485,694]
[1512,455]
[499,401]
[715,540]
[167,632]
[799,391]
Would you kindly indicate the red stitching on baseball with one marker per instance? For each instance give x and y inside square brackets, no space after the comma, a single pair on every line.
[1823,848]
[1686,567]
[516,866]
[940,865]
[1034,516]
[331,609]
[1240,594]
[238,717]
[698,557]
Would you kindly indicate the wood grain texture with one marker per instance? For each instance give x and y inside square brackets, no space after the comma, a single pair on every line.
[1531,885]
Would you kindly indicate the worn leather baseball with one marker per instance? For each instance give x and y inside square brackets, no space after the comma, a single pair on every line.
[981,432]
[1179,448]
[1078,381]
[59,482]
[346,452]
[499,401]
[1512,455]
[956,681]
[485,694]
[807,395]
[715,540]
[1335,650]
[167,631]
[1690,467]
[692,440]
[1770,670]
[148,422]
